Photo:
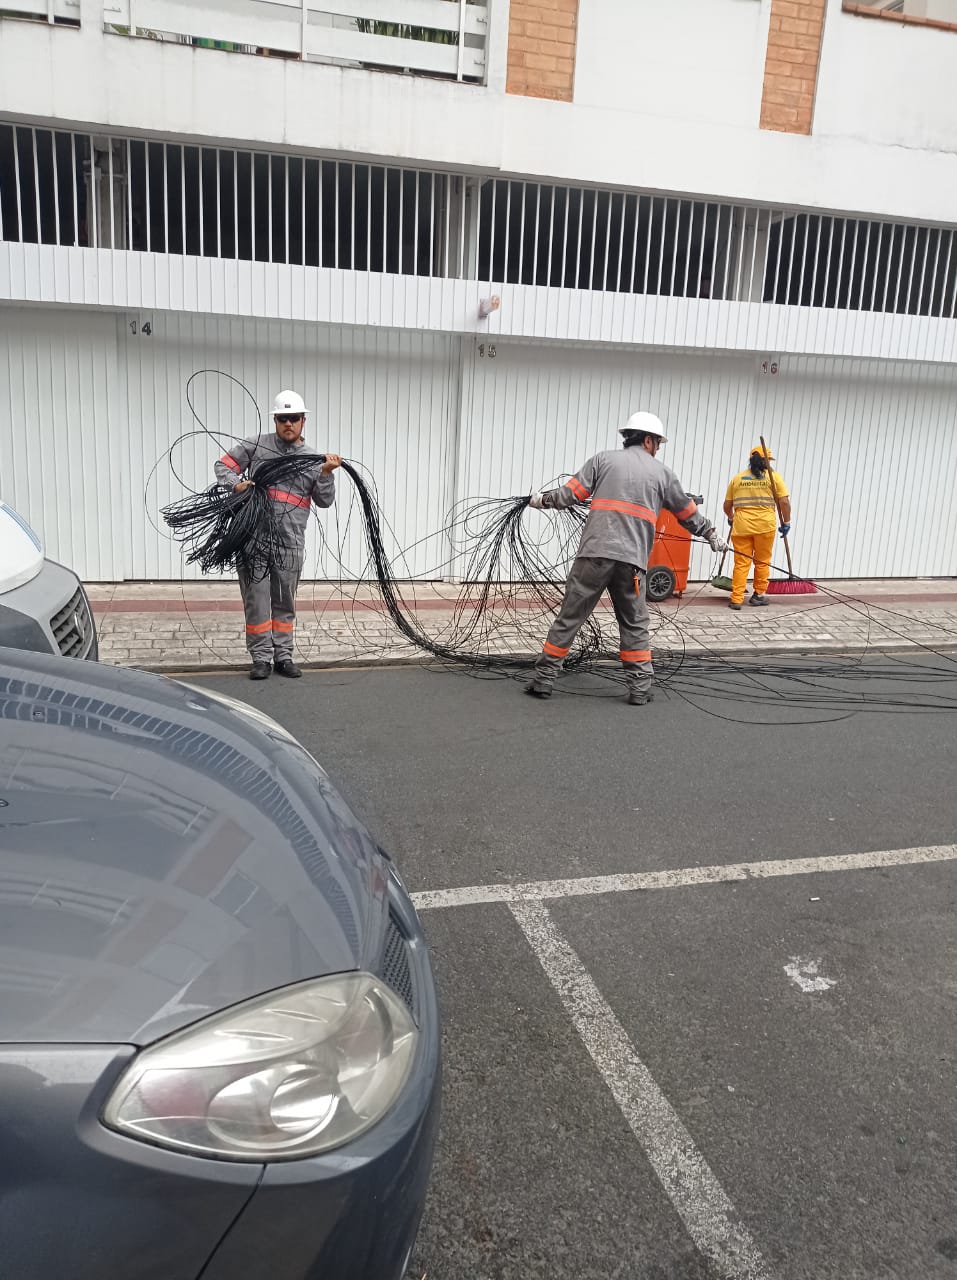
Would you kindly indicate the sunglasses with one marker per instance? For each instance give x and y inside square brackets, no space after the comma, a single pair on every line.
[285,418]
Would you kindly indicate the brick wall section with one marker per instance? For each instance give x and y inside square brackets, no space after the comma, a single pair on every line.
[541,48]
[790,70]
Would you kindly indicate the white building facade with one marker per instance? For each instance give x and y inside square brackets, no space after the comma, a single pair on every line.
[739,214]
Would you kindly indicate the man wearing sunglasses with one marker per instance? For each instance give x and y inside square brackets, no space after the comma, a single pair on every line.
[270,601]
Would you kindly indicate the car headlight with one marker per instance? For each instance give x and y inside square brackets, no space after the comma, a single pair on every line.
[287,1075]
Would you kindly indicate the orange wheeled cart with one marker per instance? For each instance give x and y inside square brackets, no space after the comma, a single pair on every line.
[670,558]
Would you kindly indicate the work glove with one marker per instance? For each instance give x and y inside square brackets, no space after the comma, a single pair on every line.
[716,542]
[784,530]
[730,521]
[537,500]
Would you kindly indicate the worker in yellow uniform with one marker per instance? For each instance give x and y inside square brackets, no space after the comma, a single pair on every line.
[750,507]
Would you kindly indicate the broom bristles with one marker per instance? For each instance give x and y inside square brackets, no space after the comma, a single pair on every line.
[791,587]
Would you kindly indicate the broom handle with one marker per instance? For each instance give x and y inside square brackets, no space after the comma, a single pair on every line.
[777,503]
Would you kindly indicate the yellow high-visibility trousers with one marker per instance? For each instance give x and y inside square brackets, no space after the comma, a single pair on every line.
[748,547]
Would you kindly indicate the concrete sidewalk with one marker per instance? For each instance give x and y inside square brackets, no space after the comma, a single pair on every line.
[193,626]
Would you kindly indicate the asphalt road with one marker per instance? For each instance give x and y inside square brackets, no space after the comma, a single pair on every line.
[754,1078]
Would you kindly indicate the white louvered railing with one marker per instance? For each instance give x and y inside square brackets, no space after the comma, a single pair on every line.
[435,37]
[102,192]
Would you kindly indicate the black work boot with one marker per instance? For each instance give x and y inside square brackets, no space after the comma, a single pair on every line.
[758,600]
[260,671]
[638,697]
[539,688]
[286,667]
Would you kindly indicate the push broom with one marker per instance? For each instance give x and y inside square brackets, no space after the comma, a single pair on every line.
[720,579]
[789,586]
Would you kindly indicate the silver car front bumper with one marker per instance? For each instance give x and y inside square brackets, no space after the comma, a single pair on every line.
[49,614]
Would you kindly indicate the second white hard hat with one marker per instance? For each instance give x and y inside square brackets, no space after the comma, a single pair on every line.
[289,402]
[645,422]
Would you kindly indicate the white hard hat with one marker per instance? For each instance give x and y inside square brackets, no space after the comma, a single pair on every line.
[645,422]
[289,402]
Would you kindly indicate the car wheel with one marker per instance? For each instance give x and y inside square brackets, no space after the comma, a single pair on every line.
[660,583]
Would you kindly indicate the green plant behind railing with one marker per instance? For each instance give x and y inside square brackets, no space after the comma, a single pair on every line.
[376,27]
[405,31]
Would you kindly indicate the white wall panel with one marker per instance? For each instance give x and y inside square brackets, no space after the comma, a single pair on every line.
[381,398]
[534,413]
[886,82]
[868,448]
[627,57]
[63,445]
[32,273]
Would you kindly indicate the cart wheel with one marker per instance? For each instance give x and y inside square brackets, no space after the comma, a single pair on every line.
[660,583]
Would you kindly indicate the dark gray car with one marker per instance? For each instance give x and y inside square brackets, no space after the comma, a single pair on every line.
[219,1040]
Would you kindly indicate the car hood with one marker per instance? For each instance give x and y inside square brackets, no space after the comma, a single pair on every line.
[163,856]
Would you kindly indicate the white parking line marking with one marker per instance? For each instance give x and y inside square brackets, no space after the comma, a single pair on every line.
[628,882]
[708,1215]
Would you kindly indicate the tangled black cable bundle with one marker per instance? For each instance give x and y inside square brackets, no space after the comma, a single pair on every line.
[225,530]
[510,573]
[497,549]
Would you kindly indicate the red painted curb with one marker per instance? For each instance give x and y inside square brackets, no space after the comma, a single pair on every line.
[307,605]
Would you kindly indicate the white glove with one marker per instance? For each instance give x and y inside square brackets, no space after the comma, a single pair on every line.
[716,542]
[537,500]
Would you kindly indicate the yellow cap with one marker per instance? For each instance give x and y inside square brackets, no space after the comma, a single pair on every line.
[762,453]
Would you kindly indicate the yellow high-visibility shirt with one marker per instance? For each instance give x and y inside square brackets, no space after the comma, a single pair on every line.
[753,502]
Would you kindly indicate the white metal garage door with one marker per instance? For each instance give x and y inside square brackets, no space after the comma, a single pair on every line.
[64,462]
[868,448]
[384,398]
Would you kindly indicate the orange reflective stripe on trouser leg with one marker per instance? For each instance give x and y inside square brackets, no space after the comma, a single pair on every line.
[282,626]
[554,650]
[255,593]
[635,655]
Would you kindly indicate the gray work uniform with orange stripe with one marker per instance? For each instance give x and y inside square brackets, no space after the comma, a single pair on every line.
[626,490]
[270,602]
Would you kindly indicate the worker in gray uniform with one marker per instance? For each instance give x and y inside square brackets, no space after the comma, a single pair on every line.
[626,490]
[270,601]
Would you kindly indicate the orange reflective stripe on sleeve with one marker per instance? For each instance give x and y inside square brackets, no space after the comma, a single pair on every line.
[577,488]
[282,626]
[293,499]
[230,462]
[687,512]
[258,628]
[554,651]
[624,508]
[635,655]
